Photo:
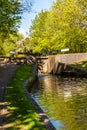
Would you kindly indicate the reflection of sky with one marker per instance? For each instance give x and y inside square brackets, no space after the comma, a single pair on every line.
[57,124]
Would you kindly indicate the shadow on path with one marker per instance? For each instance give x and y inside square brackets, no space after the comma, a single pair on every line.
[6,73]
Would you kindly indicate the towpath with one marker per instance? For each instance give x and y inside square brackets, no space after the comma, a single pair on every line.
[6,73]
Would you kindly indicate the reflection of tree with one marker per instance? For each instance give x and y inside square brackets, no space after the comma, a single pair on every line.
[65,99]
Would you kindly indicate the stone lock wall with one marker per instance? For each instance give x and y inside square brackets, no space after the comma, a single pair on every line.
[60,63]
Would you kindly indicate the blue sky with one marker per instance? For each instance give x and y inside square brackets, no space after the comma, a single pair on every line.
[38,5]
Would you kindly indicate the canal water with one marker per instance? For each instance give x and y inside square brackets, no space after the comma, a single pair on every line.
[64,100]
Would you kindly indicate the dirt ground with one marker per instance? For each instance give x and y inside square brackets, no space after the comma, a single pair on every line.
[6,73]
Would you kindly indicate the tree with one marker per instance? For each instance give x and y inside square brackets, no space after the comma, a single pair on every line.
[28,44]
[10,14]
[65,25]
[10,43]
[10,18]
[37,32]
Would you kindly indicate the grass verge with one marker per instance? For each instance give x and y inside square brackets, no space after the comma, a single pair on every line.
[22,115]
[81,64]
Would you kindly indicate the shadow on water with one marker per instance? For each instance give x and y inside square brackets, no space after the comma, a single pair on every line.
[64,100]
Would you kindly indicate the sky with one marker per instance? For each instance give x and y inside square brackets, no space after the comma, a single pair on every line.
[27,18]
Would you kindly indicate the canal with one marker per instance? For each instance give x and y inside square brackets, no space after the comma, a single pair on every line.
[63,99]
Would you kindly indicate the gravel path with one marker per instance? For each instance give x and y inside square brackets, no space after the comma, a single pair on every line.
[6,73]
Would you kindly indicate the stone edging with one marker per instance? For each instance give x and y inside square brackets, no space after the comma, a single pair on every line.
[43,117]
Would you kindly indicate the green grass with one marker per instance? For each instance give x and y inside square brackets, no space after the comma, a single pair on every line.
[81,64]
[22,115]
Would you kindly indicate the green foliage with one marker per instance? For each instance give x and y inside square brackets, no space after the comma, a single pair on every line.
[10,11]
[21,115]
[10,19]
[10,43]
[28,45]
[65,25]
[81,64]
[37,32]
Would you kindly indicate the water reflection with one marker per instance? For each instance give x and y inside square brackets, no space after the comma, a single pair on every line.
[64,99]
